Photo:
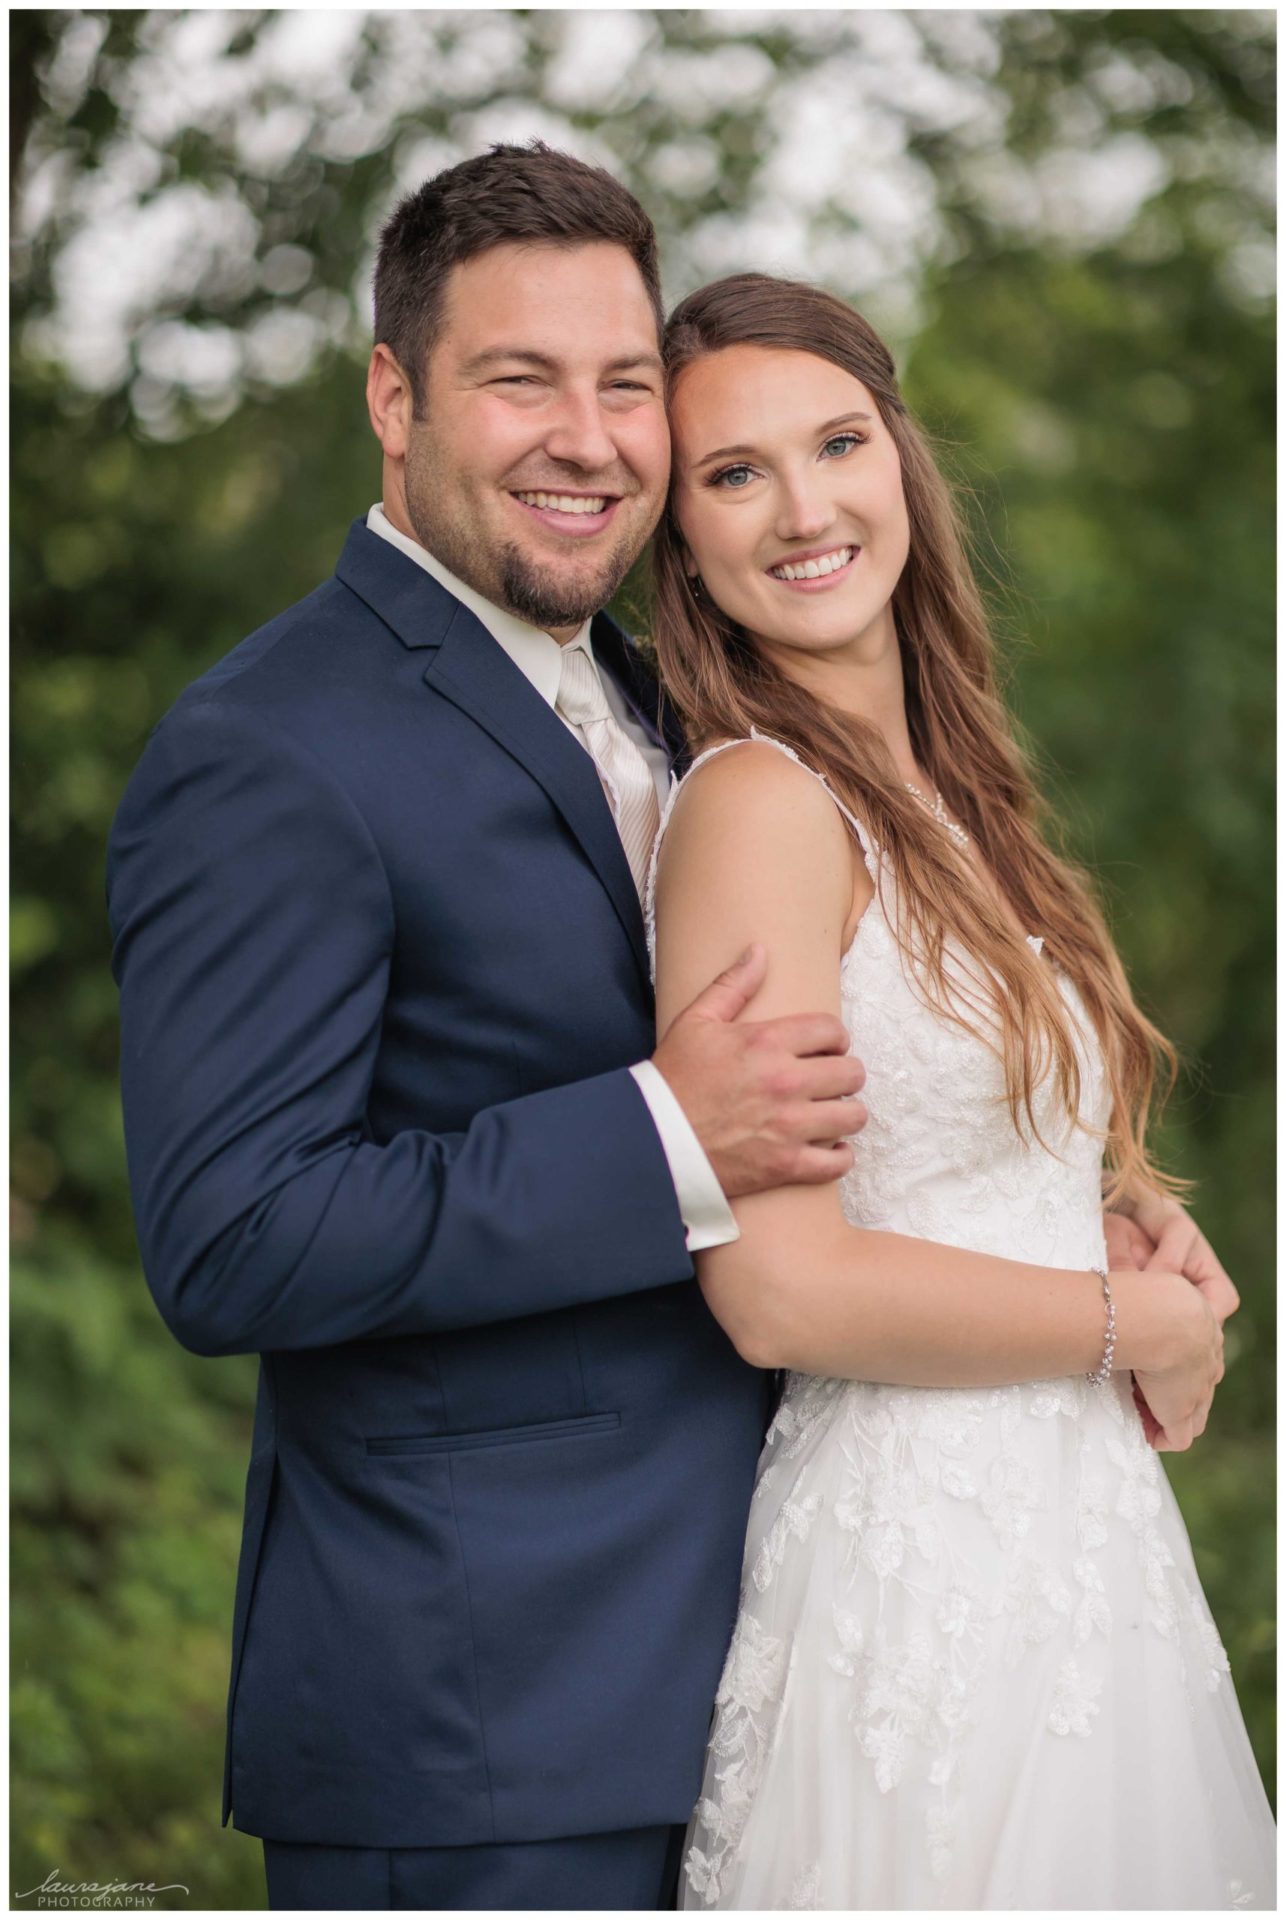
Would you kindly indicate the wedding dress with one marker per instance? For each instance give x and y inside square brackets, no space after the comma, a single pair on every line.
[973,1666]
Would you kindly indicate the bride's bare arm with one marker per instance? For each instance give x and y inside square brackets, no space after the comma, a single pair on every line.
[757,851]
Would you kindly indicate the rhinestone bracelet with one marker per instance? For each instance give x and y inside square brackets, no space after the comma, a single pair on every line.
[1104,1368]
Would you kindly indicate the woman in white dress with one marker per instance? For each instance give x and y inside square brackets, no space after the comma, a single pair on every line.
[972,1665]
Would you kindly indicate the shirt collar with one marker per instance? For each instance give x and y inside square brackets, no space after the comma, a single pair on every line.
[533,651]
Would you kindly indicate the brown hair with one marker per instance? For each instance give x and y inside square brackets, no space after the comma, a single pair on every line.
[509,193]
[723,685]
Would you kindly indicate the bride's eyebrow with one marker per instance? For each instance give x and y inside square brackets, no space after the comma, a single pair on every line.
[744,452]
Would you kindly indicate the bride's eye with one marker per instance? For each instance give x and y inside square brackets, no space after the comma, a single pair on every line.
[733,477]
[845,443]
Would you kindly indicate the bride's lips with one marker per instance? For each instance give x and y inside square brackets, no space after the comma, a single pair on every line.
[823,580]
[574,525]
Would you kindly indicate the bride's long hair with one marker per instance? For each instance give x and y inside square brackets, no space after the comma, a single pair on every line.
[723,685]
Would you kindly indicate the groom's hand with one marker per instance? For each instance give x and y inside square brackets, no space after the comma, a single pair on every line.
[1155,1232]
[771,1101]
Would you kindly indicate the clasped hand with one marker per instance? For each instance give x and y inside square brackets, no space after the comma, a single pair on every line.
[1156,1235]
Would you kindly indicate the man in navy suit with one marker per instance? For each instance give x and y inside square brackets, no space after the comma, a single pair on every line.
[397,1120]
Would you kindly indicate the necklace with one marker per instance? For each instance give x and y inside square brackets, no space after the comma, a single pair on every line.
[939,812]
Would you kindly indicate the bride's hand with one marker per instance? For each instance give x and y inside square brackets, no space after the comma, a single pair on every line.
[1174,1398]
[1127,1244]
[1129,1249]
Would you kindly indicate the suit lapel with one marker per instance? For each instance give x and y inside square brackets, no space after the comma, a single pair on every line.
[474,672]
[468,667]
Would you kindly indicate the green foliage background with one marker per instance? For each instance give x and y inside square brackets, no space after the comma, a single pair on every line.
[1102,389]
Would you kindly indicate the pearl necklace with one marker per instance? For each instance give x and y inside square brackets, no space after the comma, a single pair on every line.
[939,812]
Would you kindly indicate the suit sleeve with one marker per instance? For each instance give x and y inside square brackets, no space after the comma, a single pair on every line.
[253,930]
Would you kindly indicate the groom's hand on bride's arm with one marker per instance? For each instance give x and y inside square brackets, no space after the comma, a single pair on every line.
[771,1101]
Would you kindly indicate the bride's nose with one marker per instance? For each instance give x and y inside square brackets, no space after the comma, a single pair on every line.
[804,507]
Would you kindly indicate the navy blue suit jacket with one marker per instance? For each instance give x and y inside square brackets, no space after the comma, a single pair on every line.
[382,973]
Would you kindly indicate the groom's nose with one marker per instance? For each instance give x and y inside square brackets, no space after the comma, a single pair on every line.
[578,432]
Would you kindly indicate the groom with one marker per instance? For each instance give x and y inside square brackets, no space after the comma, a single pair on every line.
[397,1121]
[392,1121]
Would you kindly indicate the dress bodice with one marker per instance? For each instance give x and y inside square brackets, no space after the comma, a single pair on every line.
[940,1156]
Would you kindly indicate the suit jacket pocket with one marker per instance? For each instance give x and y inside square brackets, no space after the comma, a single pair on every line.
[410,1443]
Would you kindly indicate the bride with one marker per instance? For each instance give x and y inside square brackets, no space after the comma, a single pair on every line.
[972,1665]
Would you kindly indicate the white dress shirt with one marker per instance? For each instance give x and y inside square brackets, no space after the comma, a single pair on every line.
[703,1207]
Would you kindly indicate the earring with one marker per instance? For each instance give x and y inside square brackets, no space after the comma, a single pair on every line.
[697,589]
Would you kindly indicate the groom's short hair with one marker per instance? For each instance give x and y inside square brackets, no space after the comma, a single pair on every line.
[509,193]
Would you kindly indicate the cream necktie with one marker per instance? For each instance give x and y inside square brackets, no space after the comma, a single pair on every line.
[623,770]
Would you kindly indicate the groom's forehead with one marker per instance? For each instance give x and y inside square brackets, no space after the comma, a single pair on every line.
[547,284]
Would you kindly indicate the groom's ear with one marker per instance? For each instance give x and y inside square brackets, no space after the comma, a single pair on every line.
[389,402]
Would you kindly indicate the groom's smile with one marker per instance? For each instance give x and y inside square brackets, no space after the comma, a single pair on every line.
[575,514]
[537,466]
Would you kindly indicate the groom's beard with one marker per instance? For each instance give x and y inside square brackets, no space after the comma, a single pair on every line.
[541,601]
[503,572]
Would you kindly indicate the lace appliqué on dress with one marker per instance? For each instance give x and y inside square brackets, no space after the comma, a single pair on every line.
[746,1706]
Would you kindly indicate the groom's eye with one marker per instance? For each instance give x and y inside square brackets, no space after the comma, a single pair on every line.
[631,387]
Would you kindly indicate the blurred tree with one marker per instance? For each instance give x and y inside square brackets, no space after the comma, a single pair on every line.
[1063,221]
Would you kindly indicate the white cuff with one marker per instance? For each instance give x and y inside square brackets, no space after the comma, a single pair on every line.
[704,1210]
